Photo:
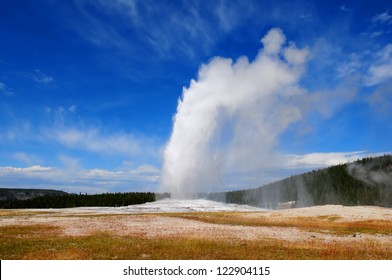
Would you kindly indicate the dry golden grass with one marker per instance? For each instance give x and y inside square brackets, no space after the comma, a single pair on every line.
[330,224]
[43,242]
[9,213]
[46,241]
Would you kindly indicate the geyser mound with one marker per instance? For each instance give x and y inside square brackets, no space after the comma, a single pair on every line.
[189,205]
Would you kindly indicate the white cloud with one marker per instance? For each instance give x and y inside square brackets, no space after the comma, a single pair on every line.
[32,171]
[294,55]
[273,41]
[36,168]
[103,174]
[319,160]
[142,178]
[145,169]
[373,68]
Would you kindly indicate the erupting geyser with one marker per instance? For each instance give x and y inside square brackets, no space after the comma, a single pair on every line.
[231,117]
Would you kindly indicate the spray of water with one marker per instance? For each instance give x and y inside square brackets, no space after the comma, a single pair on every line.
[230,118]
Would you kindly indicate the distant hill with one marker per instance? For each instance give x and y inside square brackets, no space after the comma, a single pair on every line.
[26,194]
[365,182]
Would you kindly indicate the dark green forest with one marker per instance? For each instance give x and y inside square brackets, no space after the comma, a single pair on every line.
[79,200]
[365,182]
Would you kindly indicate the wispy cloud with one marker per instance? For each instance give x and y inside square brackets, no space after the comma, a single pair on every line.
[4,89]
[70,163]
[319,160]
[384,17]
[94,140]
[26,158]
[19,131]
[381,25]
[381,70]
[40,77]
[343,8]
[167,29]
[380,100]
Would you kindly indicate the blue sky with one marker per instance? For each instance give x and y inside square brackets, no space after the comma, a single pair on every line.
[89,88]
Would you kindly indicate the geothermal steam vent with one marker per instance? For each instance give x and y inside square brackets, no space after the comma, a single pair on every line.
[231,113]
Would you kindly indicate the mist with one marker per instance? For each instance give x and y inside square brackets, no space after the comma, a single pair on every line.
[371,174]
[231,117]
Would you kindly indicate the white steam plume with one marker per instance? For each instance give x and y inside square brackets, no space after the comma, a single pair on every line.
[232,116]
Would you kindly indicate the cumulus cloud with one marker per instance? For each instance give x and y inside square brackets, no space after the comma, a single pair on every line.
[273,41]
[233,115]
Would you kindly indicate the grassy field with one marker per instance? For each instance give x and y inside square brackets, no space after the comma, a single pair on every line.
[41,241]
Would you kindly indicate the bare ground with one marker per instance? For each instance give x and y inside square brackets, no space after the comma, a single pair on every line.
[87,221]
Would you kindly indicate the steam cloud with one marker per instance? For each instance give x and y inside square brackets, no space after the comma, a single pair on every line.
[232,116]
[370,175]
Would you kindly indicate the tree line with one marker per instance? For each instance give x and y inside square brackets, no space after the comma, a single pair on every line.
[81,200]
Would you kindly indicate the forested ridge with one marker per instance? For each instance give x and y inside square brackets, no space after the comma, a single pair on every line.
[365,182]
[25,194]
